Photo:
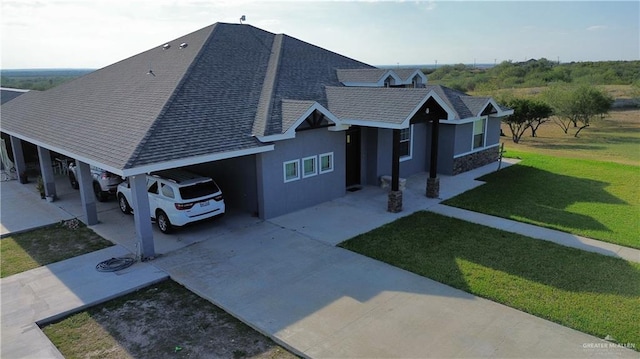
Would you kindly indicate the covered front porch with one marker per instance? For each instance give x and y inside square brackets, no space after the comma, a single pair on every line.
[361,211]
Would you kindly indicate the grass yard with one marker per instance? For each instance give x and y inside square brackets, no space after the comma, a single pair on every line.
[599,200]
[29,250]
[615,138]
[164,320]
[589,292]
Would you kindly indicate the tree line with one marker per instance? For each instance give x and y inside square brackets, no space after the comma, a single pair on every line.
[535,73]
[573,107]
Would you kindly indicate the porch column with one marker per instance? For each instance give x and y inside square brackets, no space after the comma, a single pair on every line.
[87,198]
[18,159]
[142,216]
[46,170]
[394,204]
[433,182]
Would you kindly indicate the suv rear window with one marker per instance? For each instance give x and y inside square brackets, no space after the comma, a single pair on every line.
[199,190]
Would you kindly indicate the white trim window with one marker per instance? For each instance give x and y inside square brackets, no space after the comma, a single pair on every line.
[326,162]
[479,133]
[309,166]
[406,143]
[291,170]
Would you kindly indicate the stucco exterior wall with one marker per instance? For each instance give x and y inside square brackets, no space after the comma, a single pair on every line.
[279,197]
[446,144]
[379,157]
[493,131]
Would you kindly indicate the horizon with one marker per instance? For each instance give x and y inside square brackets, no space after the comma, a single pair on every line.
[412,66]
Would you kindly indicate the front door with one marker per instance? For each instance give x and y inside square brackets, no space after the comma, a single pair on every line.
[353,156]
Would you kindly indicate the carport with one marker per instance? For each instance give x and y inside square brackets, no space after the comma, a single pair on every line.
[132,119]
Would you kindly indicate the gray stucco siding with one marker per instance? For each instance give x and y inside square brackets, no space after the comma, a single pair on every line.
[493,131]
[279,197]
[384,143]
[463,140]
[446,143]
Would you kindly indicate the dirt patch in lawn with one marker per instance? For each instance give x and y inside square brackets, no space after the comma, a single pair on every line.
[164,320]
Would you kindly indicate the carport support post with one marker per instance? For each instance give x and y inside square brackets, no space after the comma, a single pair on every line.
[87,197]
[47,172]
[18,159]
[142,216]
[433,182]
[394,204]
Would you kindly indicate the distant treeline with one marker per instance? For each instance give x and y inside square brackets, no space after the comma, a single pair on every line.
[534,73]
[39,79]
[466,78]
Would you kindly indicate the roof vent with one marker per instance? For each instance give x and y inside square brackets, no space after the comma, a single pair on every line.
[166,46]
[183,45]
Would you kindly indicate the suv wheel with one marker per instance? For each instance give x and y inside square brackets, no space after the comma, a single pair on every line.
[123,204]
[100,196]
[73,181]
[163,222]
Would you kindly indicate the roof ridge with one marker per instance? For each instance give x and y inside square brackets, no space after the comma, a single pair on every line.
[266,94]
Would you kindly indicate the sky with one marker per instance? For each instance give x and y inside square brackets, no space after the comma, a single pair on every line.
[96,33]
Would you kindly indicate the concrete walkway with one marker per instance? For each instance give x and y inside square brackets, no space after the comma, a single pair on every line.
[286,278]
[562,238]
[22,209]
[46,293]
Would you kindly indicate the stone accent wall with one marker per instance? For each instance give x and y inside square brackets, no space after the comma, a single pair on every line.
[475,160]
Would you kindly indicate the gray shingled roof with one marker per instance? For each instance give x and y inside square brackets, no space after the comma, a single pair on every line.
[230,84]
[395,105]
[303,72]
[406,74]
[8,94]
[107,115]
[475,104]
[212,96]
[370,75]
[374,104]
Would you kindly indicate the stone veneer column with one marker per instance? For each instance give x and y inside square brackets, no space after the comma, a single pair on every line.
[394,205]
[433,187]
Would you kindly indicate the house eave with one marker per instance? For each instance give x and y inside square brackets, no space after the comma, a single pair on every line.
[196,160]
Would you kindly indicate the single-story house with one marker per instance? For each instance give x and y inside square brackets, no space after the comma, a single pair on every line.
[280,124]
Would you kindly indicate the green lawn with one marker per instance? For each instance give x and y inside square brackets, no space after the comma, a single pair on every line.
[589,292]
[29,250]
[595,199]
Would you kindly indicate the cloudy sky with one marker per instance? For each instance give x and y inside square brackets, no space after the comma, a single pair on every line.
[96,33]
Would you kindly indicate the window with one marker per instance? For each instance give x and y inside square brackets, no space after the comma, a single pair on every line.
[309,166]
[478,133]
[416,82]
[326,162]
[167,191]
[291,170]
[152,186]
[406,135]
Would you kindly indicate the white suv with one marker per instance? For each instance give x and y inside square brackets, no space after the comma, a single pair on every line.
[104,182]
[177,197]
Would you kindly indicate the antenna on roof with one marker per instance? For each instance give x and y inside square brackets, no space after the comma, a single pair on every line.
[243,18]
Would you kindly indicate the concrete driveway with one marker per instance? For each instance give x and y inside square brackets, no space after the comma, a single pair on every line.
[285,278]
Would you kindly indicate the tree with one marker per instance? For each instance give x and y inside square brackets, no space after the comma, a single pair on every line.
[540,113]
[526,114]
[577,106]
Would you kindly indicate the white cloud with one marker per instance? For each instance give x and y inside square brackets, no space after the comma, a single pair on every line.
[597,28]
